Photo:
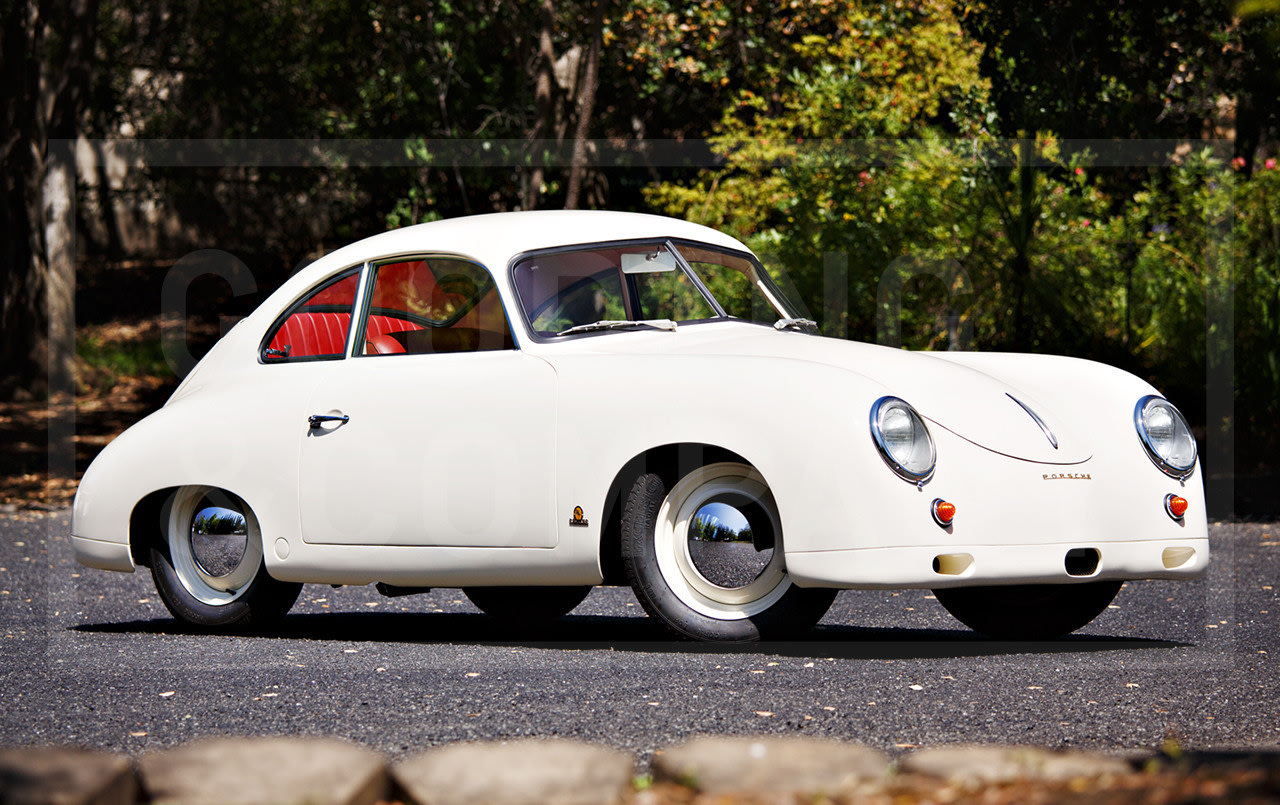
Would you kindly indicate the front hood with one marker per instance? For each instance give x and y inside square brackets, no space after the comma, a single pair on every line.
[971,404]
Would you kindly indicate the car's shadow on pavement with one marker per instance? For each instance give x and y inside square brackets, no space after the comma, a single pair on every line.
[639,634]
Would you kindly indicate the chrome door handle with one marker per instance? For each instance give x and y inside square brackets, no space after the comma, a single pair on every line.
[316,420]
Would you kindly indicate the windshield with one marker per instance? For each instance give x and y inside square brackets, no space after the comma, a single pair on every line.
[640,284]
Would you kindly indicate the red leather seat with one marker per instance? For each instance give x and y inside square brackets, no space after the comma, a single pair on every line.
[308,334]
[378,335]
[311,334]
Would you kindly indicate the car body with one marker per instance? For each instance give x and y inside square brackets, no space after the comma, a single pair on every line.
[526,405]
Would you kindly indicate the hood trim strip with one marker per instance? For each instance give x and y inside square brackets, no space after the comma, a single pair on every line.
[1048,433]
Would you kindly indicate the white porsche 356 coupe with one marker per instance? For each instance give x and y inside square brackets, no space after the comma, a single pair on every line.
[525,405]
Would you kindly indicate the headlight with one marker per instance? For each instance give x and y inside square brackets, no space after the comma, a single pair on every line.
[1165,436]
[903,440]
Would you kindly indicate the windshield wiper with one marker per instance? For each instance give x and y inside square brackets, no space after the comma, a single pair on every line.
[614,324]
[796,324]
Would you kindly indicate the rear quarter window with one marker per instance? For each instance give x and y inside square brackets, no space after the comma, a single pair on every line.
[316,327]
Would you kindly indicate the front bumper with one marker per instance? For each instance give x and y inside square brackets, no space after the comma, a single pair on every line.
[959,565]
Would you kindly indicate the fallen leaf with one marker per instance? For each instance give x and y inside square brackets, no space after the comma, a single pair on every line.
[137,734]
[473,674]
[764,713]
[167,694]
[916,687]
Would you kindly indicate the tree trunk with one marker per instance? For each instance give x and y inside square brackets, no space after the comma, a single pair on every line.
[22,267]
[586,108]
[1020,237]
[46,50]
[544,102]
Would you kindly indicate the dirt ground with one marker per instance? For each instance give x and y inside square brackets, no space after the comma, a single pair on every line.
[105,405]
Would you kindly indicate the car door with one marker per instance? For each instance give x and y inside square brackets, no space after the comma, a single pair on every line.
[440,432]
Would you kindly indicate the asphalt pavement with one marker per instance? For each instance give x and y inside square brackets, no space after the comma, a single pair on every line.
[93,659]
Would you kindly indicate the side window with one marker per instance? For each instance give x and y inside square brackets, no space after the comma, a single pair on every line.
[429,305]
[316,327]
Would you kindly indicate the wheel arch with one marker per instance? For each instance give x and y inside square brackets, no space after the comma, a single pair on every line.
[670,462]
[149,520]
[149,523]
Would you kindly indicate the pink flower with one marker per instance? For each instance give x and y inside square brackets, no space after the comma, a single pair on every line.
[1271,164]
[1079,171]
[1087,222]
[1237,163]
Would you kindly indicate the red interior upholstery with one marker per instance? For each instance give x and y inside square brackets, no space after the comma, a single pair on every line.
[312,334]
[381,325]
[326,333]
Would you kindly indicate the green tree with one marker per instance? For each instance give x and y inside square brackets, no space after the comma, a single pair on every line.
[813,161]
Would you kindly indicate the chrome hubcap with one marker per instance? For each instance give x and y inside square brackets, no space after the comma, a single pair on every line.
[730,542]
[214,543]
[219,537]
[717,542]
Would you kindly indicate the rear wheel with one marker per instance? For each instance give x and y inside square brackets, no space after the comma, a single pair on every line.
[209,569]
[527,604]
[1028,611]
[705,557]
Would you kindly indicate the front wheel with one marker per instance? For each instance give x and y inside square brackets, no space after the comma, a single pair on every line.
[1028,611]
[705,557]
[209,570]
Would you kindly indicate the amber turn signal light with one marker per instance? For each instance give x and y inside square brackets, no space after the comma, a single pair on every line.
[1175,506]
[943,512]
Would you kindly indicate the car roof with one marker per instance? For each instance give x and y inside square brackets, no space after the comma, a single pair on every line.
[494,239]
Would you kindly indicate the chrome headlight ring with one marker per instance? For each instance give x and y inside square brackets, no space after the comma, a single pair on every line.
[1165,436]
[903,440]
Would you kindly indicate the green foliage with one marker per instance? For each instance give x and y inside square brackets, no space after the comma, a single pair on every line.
[859,148]
[104,361]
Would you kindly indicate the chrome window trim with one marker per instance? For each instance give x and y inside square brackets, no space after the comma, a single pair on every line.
[355,269]
[919,479]
[370,277]
[1179,473]
[360,310]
